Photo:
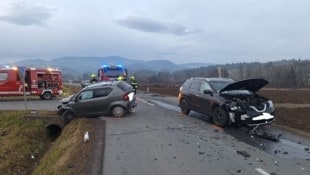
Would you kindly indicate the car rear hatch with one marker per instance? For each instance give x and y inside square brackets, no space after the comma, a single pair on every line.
[128,91]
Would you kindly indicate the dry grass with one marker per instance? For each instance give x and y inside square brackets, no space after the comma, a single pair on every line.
[296,118]
[64,157]
[22,143]
[71,89]
[291,106]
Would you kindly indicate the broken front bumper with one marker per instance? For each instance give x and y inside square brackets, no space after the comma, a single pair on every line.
[263,119]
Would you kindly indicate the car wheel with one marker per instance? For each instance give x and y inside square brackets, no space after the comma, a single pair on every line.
[184,107]
[118,111]
[67,116]
[220,117]
[47,96]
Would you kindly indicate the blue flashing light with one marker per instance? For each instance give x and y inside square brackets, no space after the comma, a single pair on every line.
[119,66]
[104,66]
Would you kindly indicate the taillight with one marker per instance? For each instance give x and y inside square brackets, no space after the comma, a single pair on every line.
[128,96]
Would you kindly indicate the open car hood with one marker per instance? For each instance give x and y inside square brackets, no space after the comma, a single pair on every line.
[253,85]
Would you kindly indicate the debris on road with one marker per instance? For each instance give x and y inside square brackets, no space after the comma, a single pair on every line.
[263,134]
[243,153]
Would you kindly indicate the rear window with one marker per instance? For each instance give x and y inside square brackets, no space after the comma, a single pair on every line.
[124,86]
[102,92]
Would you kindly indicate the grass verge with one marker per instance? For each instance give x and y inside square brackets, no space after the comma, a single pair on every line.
[64,156]
[22,141]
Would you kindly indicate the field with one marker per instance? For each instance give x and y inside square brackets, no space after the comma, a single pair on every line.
[292,105]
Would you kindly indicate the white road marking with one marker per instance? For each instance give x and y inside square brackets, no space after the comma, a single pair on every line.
[261,171]
[302,168]
[145,102]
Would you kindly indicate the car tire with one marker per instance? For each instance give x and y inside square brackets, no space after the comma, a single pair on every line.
[118,111]
[220,117]
[47,96]
[184,107]
[67,116]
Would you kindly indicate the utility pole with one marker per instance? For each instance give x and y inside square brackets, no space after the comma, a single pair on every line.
[21,71]
[219,72]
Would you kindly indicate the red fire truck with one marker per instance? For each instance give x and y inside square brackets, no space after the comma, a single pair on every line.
[46,83]
[106,72]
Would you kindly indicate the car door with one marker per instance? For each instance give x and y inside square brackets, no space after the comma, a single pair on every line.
[193,95]
[204,100]
[103,97]
[84,105]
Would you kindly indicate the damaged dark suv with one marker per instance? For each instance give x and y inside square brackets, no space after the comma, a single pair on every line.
[227,102]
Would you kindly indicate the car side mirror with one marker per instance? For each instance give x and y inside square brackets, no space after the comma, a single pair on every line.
[208,92]
[76,99]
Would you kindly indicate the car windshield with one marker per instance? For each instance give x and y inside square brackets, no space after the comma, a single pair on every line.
[237,92]
[113,72]
[218,85]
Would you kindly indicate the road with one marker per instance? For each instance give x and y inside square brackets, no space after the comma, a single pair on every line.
[18,103]
[157,139]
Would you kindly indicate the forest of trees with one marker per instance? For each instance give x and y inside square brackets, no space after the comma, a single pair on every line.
[280,74]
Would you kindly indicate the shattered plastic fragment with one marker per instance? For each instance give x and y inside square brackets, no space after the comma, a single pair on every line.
[243,153]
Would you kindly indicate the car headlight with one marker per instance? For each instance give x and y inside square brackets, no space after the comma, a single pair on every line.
[233,108]
[271,107]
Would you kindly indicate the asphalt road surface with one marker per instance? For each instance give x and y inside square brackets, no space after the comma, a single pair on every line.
[157,139]
[19,103]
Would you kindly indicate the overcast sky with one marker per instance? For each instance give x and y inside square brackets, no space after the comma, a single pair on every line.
[182,31]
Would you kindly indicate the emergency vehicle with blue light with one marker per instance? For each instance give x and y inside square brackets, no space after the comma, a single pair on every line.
[108,73]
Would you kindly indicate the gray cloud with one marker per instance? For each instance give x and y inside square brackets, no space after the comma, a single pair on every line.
[24,14]
[152,26]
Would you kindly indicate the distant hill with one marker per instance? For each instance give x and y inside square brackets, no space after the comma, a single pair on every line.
[154,65]
[80,65]
[194,65]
